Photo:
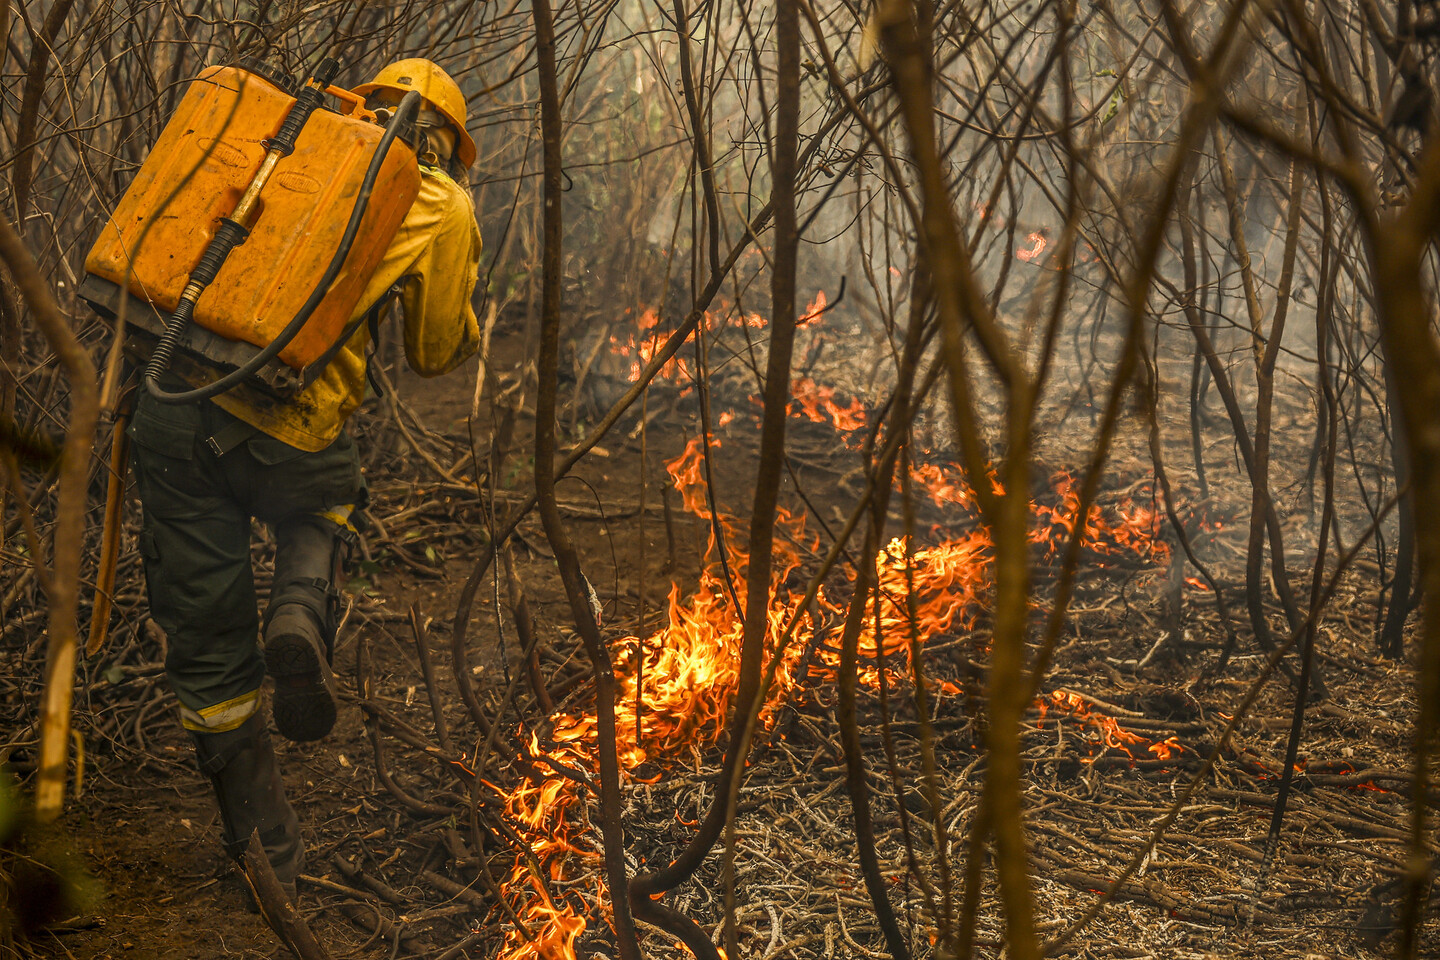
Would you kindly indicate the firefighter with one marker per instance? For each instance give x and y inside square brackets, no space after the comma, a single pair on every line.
[204,470]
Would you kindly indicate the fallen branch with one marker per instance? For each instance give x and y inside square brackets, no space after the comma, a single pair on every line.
[276,909]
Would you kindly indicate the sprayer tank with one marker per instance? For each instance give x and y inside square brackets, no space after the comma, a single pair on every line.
[196,173]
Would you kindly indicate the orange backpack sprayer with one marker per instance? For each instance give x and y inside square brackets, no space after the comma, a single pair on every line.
[248,235]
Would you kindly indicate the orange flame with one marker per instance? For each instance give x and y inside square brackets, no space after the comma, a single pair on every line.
[818,403]
[1135,528]
[691,666]
[1111,733]
[814,310]
[942,486]
[1038,243]
[641,342]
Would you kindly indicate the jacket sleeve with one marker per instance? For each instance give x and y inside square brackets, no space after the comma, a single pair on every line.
[440,326]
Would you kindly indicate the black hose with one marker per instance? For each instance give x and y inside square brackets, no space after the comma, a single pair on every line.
[403,115]
[307,101]
[227,238]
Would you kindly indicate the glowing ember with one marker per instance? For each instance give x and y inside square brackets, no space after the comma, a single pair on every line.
[1038,243]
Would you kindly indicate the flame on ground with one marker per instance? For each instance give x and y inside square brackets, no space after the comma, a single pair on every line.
[691,667]
[640,343]
[818,404]
[1112,734]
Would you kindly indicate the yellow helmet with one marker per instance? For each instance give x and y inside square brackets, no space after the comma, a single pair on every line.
[434,85]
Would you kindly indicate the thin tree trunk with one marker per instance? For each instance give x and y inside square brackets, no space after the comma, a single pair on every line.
[611,802]
[63,584]
[34,92]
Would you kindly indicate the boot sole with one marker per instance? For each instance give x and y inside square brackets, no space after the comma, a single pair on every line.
[304,703]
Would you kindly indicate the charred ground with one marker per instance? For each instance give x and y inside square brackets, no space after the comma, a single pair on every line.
[394,870]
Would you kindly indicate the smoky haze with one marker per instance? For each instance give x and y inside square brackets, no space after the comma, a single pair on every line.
[1059,310]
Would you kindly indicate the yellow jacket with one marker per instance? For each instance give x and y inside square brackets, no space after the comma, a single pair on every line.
[436,257]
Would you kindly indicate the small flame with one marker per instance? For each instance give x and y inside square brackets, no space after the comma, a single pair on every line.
[1135,527]
[814,310]
[640,339]
[1111,733]
[943,485]
[818,403]
[1038,243]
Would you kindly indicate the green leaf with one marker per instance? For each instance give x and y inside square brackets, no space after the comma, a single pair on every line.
[1113,109]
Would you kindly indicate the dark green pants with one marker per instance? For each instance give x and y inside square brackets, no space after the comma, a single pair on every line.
[202,476]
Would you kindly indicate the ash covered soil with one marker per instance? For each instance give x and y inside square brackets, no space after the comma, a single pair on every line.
[395,873]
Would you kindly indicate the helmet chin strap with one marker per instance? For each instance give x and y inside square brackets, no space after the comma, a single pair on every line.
[439,135]
[440,141]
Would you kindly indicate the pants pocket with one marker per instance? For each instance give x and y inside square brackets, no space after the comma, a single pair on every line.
[155,595]
[308,483]
[165,429]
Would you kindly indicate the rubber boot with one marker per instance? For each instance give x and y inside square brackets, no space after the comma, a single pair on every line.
[300,628]
[242,768]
